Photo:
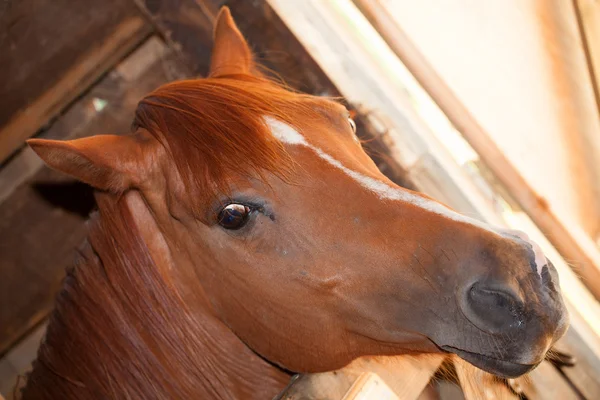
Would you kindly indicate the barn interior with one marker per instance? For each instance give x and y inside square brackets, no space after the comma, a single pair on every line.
[489,107]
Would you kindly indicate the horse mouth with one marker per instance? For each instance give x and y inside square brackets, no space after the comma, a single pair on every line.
[503,369]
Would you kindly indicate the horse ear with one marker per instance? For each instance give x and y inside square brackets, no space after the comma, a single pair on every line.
[106,162]
[231,54]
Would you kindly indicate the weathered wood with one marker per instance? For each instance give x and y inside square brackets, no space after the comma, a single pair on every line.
[51,51]
[42,221]
[406,376]
[25,163]
[588,13]
[187,26]
[370,386]
[545,382]
[585,374]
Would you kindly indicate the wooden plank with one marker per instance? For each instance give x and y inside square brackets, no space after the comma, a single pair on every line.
[545,382]
[25,163]
[370,386]
[571,241]
[187,26]
[585,374]
[406,376]
[51,51]
[42,221]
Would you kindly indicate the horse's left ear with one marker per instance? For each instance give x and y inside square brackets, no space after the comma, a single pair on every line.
[231,54]
[106,162]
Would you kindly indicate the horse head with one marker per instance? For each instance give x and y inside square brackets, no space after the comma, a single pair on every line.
[267,213]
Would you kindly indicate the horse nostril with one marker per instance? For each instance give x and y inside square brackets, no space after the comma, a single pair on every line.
[493,309]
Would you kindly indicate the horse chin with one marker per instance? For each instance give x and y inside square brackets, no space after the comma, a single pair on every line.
[501,368]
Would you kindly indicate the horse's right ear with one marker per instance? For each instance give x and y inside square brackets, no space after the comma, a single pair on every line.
[106,162]
[231,54]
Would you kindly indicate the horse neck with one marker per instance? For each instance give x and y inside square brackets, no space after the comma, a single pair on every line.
[121,329]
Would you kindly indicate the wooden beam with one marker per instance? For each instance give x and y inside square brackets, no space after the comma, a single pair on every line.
[584,375]
[187,26]
[546,382]
[406,377]
[370,386]
[588,17]
[54,51]
[42,221]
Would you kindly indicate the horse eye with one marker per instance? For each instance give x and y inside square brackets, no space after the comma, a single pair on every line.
[234,216]
[352,124]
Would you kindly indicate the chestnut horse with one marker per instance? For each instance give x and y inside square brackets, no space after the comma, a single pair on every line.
[243,234]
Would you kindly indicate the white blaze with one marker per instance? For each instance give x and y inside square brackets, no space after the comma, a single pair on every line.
[288,135]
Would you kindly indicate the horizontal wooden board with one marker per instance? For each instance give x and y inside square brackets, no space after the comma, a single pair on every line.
[51,51]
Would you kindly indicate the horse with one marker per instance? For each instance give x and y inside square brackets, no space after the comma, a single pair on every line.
[242,235]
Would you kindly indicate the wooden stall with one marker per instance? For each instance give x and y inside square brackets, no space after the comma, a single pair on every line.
[72,69]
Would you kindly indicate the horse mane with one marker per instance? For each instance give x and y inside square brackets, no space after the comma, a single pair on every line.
[214,128]
[118,324]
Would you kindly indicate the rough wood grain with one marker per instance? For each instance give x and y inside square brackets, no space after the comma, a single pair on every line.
[369,386]
[545,382]
[187,26]
[51,51]
[42,221]
[406,376]
[585,374]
